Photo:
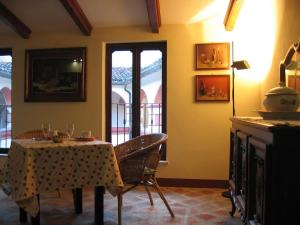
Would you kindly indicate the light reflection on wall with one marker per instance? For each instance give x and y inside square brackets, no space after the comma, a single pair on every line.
[254,34]
[213,10]
[254,37]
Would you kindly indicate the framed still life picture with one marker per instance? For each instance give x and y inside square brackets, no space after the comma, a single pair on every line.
[57,75]
[212,56]
[212,88]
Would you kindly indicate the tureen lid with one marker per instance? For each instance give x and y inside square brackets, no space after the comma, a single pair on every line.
[282,90]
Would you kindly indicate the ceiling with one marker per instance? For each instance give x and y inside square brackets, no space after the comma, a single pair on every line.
[51,16]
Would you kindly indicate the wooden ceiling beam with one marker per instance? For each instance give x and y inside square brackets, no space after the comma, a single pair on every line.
[14,22]
[78,16]
[153,15]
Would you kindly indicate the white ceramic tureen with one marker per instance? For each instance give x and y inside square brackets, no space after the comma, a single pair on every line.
[282,99]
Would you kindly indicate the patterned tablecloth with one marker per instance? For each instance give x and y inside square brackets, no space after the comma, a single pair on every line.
[35,167]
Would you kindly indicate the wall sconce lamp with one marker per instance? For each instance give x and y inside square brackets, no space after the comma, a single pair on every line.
[232,13]
[239,65]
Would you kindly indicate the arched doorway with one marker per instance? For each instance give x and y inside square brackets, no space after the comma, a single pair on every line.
[119,124]
[157,117]
[144,112]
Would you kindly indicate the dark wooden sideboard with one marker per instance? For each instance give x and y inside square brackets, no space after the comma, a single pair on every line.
[264,180]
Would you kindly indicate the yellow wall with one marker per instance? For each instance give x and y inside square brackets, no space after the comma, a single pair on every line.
[198,145]
[288,32]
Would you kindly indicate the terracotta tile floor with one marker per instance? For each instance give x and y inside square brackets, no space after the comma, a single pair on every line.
[192,206]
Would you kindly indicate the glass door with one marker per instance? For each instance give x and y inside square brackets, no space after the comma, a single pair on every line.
[151,92]
[121,96]
[135,90]
[5,99]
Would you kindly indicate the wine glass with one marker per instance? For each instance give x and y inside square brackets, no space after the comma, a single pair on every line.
[70,129]
[46,128]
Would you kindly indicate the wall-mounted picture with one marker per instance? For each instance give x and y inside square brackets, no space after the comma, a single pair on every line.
[55,74]
[212,56]
[212,88]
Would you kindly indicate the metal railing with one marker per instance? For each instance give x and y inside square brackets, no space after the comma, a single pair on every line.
[150,120]
[5,126]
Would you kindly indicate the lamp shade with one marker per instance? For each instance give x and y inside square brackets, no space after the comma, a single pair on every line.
[240,65]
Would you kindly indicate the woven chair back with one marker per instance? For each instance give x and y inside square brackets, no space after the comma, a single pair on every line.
[138,153]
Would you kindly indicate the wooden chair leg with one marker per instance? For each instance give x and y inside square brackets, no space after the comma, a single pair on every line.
[149,194]
[120,203]
[162,197]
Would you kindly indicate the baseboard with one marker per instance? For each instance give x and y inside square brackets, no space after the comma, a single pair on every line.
[194,183]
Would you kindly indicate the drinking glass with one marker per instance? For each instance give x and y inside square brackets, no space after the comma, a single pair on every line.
[70,129]
[46,128]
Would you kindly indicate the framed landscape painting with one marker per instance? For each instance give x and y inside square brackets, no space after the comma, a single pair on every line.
[212,56]
[212,88]
[55,74]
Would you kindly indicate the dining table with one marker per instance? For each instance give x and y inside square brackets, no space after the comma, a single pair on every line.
[38,166]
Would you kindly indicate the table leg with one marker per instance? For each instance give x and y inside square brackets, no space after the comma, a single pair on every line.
[77,199]
[36,220]
[99,192]
[23,215]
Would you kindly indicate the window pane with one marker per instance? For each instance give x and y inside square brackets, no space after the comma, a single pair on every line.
[5,100]
[121,124]
[151,92]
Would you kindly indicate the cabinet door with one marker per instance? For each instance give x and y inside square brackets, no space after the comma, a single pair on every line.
[241,155]
[257,182]
[232,163]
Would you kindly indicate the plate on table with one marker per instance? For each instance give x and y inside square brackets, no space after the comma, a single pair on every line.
[279,115]
[85,138]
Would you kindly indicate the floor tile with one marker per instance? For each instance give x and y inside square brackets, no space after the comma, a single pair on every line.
[191,206]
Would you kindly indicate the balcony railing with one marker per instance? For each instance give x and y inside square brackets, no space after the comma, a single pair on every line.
[150,120]
[5,126]
[150,117]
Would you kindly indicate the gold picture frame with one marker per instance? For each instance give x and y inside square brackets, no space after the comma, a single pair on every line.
[212,56]
[212,88]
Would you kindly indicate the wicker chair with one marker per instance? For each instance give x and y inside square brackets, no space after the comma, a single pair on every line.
[38,134]
[3,158]
[138,159]
[31,134]
[25,135]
